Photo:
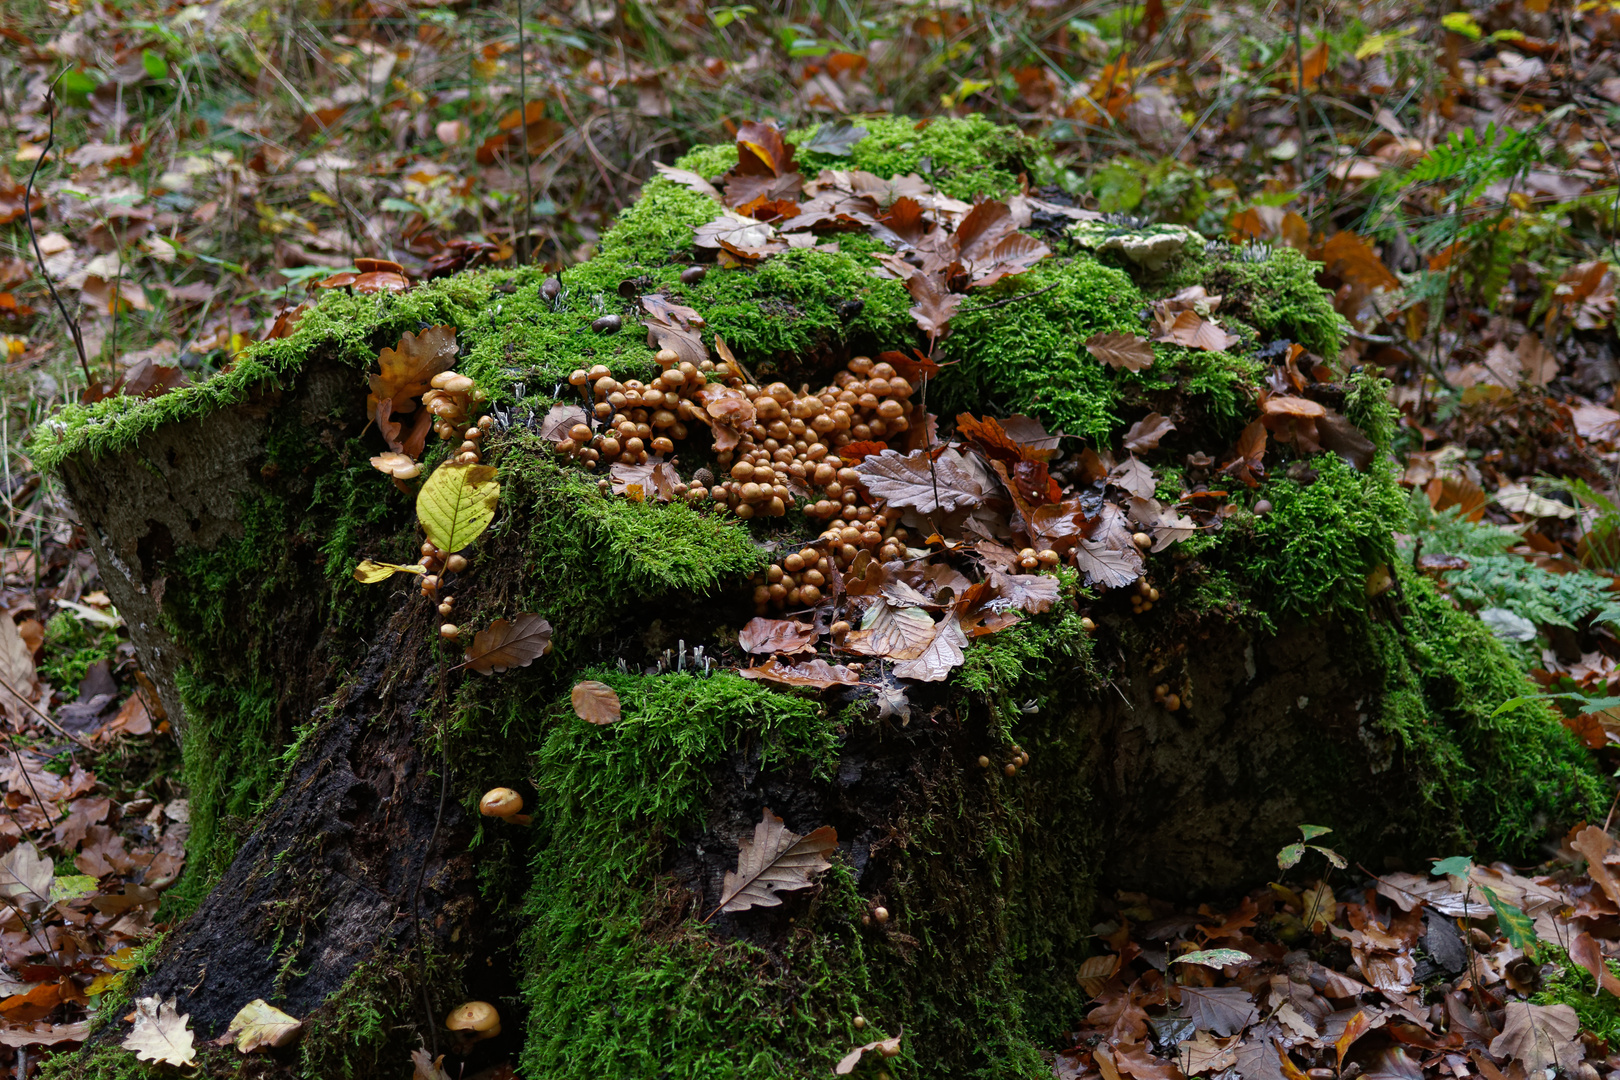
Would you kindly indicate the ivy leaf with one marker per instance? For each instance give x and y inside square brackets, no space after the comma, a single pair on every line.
[595,702]
[1132,352]
[775,860]
[457,503]
[160,1033]
[370,571]
[509,644]
[259,1024]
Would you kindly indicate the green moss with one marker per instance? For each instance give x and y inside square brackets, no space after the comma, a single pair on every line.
[1315,548]
[963,158]
[1277,295]
[71,647]
[1508,776]
[1574,986]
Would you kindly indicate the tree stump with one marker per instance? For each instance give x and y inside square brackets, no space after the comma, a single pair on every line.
[335,754]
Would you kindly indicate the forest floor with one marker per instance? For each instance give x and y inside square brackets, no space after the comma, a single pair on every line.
[190,170]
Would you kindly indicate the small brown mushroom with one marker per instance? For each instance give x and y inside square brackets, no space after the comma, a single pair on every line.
[501,802]
[474,1021]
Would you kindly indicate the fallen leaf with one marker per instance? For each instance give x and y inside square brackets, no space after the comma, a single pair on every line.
[1248,456]
[897,633]
[370,571]
[457,503]
[33,1004]
[1540,1037]
[1598,847]
[513,644]
[1584,950]
[595,702]
[1095,971]
[817,674]
[1196,332]
[847,1063]
[688,179]
[935,304]
[426,1067]
[1109,567]
[837,138]
[942,655]
[1133,352]
[258,1024]
[25,876]
[36,1034]
[760,635]
[409,367]
[775,860]
[1146,433]
[160,1033]
[907,480]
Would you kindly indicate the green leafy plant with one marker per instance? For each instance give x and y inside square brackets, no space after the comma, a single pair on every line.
[1289,856]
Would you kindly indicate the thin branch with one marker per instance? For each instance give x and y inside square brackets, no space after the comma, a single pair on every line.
[28,216]
[52,724]
[1007,300]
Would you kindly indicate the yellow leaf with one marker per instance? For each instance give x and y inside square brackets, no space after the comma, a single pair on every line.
[322,198]
[1374,44]
[1461,22]
[369,572]
[457,503]
[124,958]
[259,1024]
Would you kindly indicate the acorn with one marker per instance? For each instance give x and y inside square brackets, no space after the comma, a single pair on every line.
[500,802]
[474,1021]
[693,274]
[607,324]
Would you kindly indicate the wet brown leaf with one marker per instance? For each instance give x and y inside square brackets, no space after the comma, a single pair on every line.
[1146,433]
[817,674]
[504,644]
[776,636]
[942,655]
[775,860]
[1132,352]
[906,480]
[595,702]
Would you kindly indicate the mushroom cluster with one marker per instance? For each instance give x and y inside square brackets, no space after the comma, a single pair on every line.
[773,443]
[450,401]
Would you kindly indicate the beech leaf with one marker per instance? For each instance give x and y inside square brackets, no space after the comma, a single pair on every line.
[775,860]
[817,674]
[940,658]
[898,633]
[687,179]
[1109,567]
[259,1024]
[907,480]
[1146,433]
[509,644]
[1133,352]
[595,702]
[370,571]
[776,636]
[457,503]
[160,1033]
[1196,332]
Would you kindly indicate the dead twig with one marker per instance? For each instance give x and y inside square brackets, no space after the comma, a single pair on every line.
[52,724]
[28,217]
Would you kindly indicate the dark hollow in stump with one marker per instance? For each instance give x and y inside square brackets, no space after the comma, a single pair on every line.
[338,866]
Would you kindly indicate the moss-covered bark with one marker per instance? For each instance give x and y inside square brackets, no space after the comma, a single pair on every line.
[338,868]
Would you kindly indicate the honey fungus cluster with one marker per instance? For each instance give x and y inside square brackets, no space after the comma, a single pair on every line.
[773,444]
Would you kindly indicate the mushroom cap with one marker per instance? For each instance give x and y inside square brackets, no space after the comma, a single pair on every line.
[500,802]
[477,1018]
[399,466]
[452,382]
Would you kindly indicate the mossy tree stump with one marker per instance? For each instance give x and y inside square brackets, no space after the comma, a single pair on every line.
[338,867]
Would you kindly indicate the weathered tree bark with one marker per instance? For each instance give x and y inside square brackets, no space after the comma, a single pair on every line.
[366,897]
